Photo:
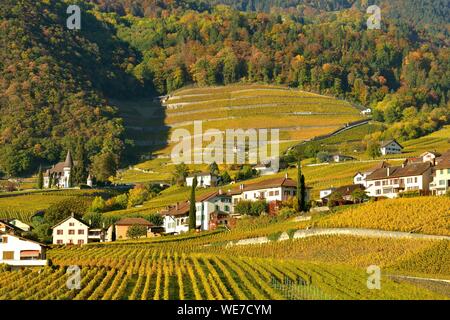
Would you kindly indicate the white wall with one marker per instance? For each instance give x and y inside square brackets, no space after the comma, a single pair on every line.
[17,245]
[70,224]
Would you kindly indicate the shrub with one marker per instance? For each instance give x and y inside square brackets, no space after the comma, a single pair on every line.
[61,210]
[137,195]
[97,205]
[136,231]
[286,213]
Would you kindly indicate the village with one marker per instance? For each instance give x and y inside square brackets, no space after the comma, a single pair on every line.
[427,174]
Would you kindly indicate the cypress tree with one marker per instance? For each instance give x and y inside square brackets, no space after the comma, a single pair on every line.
[303,194]
[40,181]
[192,211]
[50,180]
[299,179]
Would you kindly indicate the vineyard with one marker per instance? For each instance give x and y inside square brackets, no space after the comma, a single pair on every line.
[137,273]
[428,215]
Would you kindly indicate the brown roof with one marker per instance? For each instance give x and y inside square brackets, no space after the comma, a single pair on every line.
[415,169]
[133,221]
[444,164]
[64,220]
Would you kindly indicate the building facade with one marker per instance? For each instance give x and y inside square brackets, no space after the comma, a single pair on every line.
[70,231]
[391,147]
[18,251]
[204,180]
[441,178]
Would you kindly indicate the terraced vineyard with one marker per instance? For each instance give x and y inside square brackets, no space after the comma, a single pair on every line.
[143,274]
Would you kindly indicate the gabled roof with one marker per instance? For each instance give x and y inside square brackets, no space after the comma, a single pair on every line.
[436,154]
[415,169]
[385,143]
[380,165]
[69,217]
[9,225]
[133,221]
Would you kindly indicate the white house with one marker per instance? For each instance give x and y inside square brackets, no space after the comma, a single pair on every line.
[204,180]
[366,111]
[390,181]
[391,147]
[20,224]
[441,178]
[176,218]
[276,189]
[325,193]
[70,231]
[59,173]
[341,158]
[360,177]
[430,156]
[17,251]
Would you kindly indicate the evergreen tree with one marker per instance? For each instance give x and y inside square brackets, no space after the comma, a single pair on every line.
[40,181]
[301,188]
[192,211]
[50,180]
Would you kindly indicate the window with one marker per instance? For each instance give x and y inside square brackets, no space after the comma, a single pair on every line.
[385,182]
[448,171]
[71,224]
[70,241]
[5,239]
[71,231]
[80,241]
[277,192]
[59,232]
[442,182]
[81,231]
[377,183]
[270,193]
[59,242]
[8,255]
[378,192]
[358,179]
[227,208]
[415,180]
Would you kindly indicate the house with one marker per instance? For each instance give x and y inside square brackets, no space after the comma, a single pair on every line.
[344,192]
[60,173]
[7,227]
[122,226]
[366,111]
[212,209]
[341,158]
[204,180]
[276,189]
[441,178]
[21,225]
[390,181]
[428,156]
[360,177]
[390,147]
[325,193]
[21,252]
[265,169]
[70,231]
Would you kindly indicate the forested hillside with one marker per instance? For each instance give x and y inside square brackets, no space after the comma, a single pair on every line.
[53,82]
[56,82]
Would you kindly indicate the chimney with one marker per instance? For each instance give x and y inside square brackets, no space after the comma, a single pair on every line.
[286,176]
[72,215]
[220,192]
[241,186]
[176,206]
[388,171]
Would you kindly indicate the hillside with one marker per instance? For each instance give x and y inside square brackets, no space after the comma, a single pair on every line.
[53,84]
